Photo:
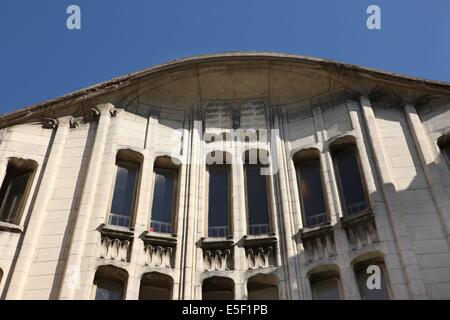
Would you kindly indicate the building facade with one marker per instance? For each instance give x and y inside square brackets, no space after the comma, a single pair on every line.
[233,176]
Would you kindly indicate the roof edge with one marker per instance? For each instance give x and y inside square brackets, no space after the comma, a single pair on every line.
[115,83]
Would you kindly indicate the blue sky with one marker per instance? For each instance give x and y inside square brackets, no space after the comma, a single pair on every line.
[41,59]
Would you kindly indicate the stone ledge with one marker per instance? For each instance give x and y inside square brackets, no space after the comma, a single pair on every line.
[10,227]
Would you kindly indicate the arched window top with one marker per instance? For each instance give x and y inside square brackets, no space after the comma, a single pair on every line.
[264,278]
[167,162]
[323,271]
[342,143]
[305,155]
[444,140]
[22,163]
[376,256]
[218,288]
[129,155]
[111,272]
[162,279]
[219,157]
[110,283]
[156,286]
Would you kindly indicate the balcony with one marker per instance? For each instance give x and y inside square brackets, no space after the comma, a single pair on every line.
[360,230]
[115,243]
[318,243]
[217,254]
[260,251]
[159,249]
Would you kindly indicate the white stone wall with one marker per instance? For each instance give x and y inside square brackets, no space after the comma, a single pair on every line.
[408,194]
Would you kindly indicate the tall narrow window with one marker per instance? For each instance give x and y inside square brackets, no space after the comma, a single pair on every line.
[155,286]
[377,288]
[218,288]
[257,200]
[218,201]
[350,181]
[446,150]
[326,287]
[164,193]
[124,194]
[14,191]
[109,283]
[310,187]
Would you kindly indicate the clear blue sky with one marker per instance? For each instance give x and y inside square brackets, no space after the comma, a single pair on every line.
[41,59]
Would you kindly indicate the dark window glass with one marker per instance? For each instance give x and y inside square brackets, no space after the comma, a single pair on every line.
[447,152]
[109,290]
[217,288]
[12,193]
[352,188]
[163,200]
[124,193]
[311,193]
[326,289]
[257,201]
[372,294]
[218,203]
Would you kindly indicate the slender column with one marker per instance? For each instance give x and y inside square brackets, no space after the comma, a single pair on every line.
[286,230]
[71,275]
[394,206]
[431,171]
[192,210]
[38,215]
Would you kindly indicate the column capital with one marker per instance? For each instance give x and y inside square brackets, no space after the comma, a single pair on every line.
[50,123]
[104,109]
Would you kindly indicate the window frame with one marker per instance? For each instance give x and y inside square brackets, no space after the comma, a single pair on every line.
[297,164]
[31,166]
[165,163]
[268,194]
[339,180]
[230,199]
[137,183]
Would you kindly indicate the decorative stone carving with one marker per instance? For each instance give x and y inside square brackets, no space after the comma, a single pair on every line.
[49,123]
[217,260]
[260,257]
[217,253]
[114,249]
[159,249]
[361,231]
[260,251]
[75,122]
[113,112]
[158,256]
[318,242]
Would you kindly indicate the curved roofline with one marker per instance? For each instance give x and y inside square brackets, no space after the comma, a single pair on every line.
[118,82]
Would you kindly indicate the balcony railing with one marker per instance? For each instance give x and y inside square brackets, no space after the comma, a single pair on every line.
[255,229]
[119,220]
[160,226]
[316,219]
[356,207]
[218,231]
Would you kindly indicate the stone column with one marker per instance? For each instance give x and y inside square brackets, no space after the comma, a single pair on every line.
[192,211]
[286,223]
[71,277]
[38,215]
[394,206]
[430,169]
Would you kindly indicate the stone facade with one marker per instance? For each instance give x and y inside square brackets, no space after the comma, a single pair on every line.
[398,125]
